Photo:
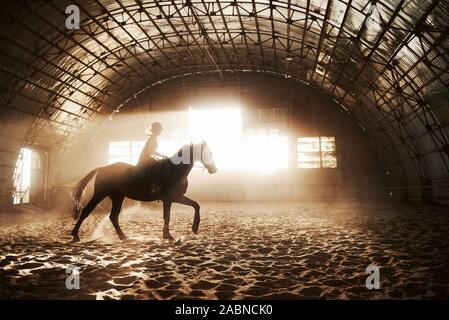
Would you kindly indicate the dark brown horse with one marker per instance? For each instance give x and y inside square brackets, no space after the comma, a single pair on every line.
[120,180]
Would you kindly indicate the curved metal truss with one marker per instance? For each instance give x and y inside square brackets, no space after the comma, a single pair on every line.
[386,61]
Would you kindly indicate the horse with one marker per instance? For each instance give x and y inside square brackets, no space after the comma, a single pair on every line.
[119,181]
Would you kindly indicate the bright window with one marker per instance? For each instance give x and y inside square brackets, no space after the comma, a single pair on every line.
[129,151]
[261,150]
[316,152]
[264,151]
[221,129]
[22,177]
[125,151]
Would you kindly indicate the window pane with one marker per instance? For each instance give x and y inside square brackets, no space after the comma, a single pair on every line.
[123,158]
[310,155]
[119,151]
[133,160]
[137,147]
[119,148]
[22,176]
[309,144]
[309,165]
[329,160]
[308,152]
[330,164]
[119,144]
[308,159]
[327,143]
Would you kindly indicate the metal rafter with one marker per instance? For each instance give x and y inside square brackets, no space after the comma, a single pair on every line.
[386,94]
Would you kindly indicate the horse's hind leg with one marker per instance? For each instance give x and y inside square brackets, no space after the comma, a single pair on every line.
[84,214]
[117,201]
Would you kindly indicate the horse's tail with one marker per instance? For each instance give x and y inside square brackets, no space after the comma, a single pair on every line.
[78,191]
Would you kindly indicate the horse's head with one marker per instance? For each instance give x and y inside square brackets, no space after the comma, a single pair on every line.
[207,158]
[195,152]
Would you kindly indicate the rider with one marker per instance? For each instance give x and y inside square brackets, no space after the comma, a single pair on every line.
[149,154]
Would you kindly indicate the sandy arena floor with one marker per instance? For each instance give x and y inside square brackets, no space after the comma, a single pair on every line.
[266,250]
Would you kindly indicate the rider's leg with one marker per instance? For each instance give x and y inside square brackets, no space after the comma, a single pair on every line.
[151,175]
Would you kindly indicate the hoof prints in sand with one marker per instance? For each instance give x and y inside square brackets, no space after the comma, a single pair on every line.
[243,251]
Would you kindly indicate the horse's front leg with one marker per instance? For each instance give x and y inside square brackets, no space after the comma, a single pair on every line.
[194,205]
[167,207]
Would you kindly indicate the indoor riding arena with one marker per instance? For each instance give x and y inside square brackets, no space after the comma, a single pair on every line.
[203,149]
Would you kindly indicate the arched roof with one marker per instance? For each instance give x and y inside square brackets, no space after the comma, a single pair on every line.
[386,61]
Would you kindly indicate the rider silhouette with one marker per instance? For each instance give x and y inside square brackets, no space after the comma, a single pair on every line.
[149,155]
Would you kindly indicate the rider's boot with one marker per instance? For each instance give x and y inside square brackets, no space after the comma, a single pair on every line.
[155,188]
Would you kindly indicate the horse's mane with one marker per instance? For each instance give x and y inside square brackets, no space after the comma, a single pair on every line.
[177,153]
[184,147]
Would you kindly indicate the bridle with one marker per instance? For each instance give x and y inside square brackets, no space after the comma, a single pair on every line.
[202,166]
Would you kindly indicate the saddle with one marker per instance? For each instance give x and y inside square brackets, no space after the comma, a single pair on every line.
[149,173]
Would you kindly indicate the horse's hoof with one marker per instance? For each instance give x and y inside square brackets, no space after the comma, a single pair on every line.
[195,228]
[123,238]
[168,237]
[76,239]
